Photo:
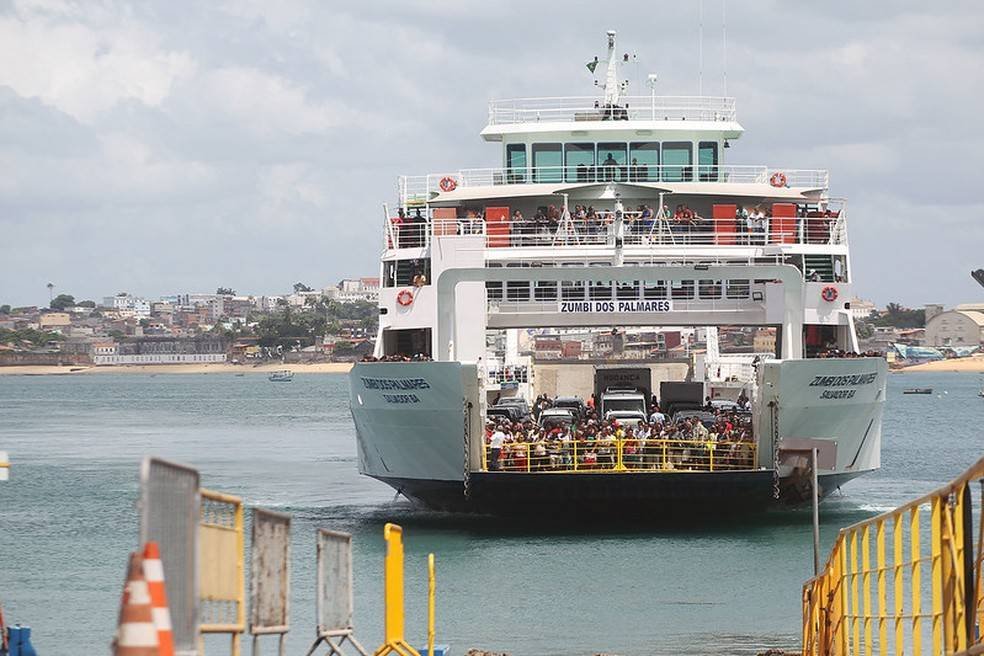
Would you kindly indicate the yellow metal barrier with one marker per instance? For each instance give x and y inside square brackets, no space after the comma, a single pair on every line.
[929,592]
[221,575]
[431,593]
[393,583]
[621,455]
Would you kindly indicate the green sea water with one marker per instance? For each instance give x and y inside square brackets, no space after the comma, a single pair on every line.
[68,520]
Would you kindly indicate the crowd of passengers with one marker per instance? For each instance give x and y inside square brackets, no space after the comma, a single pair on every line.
[398,357]
[658,443]
[683,224]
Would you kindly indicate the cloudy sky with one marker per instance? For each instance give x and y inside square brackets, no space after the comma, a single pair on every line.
[160,147]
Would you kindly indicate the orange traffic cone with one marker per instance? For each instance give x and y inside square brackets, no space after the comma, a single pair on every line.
[136,634]
[153,571]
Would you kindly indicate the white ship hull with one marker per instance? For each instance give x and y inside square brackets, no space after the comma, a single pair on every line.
[410,420]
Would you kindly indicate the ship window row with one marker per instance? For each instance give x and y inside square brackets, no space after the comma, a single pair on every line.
[651,290]
[636,161]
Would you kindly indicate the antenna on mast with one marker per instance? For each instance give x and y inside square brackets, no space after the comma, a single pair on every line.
[611,85]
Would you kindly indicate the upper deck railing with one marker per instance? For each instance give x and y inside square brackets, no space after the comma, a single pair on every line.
[813,228]
[630,108]
[419,189]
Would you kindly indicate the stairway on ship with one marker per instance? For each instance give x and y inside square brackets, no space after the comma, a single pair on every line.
[822,264]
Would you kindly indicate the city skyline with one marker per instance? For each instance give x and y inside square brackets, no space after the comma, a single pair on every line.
[140,148]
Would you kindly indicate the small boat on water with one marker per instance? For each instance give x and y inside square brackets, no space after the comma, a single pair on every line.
[282,376]
[918,390]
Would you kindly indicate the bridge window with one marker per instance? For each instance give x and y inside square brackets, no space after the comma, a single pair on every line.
[707,161]
[517,290]
[612,160]
[548,162]
[572,290]
[545,290]
[737,289]
[580,159]
[644,161]
[654,290]
[682,290]
[493,288]
[627,290]
[678,161]
[709,289]
[516,162]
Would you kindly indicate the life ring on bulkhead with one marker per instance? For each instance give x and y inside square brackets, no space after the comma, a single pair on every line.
[448,183]
[829,294]
[778,179]
[405,297]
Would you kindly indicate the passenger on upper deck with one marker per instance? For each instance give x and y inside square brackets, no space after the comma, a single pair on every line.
[609,168]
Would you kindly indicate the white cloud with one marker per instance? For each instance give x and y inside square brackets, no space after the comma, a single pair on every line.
[84,71]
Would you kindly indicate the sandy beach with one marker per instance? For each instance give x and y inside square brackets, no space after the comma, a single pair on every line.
[73,370]
[973,364]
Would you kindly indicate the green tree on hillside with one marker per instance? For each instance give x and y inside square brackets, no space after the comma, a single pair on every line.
[62,301]
[899,316]
[4,309]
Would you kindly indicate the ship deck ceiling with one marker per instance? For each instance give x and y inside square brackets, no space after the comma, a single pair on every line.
[606,191]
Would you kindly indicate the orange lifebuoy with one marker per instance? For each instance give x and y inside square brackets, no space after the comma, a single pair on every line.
[448,183]
[778,179]
[405,297]
[829,294]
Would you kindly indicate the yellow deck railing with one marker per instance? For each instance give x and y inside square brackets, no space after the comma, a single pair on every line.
[621,455]
[905,582]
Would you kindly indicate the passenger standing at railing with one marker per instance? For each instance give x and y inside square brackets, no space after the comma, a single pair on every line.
[520,229]
[496,442]
[742,224]
[398,222]
[646,218]
[609,167]
[418,225]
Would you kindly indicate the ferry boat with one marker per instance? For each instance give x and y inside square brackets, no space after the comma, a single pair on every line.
[477,261]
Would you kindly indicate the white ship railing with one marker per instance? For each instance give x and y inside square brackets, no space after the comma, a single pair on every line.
[817,228]
[629,108]
[416,190]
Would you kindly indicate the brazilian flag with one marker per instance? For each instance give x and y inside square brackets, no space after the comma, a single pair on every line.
[592,65]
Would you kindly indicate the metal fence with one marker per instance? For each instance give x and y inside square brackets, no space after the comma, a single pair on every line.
[622,456]
[222,568]
[269,575]
[335,596]
[169,509]
[907,581]
[334,601]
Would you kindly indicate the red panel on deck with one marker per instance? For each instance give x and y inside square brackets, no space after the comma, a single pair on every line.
[725,223]
[445,221]
[783,223]
[497,226]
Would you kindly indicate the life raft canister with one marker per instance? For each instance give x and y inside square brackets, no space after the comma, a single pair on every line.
[405,297]
[448,183]
[778,179]
[829,294]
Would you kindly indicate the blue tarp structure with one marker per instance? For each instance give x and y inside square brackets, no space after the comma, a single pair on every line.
[928,353]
